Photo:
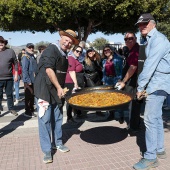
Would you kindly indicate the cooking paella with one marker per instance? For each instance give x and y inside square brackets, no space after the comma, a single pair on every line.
[95,99]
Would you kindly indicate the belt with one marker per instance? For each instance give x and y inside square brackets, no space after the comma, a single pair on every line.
[110,76]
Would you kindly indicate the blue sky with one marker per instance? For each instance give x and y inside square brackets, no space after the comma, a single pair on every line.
[21,38]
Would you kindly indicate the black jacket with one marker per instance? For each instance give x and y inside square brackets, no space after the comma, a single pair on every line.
[43,87]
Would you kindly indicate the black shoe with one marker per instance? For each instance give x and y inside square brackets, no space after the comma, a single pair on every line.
[132,132]
[26,114]
[71,121]
[99,113]
[1,109]
[81,116]
[111,116]
[14,112]
[121,120]
[33,114]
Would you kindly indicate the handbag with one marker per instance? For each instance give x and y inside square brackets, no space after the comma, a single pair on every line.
[89,81]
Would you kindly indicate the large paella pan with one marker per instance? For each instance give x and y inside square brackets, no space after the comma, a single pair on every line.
[99,98]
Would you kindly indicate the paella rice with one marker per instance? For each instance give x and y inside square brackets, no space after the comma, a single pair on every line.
[98,99]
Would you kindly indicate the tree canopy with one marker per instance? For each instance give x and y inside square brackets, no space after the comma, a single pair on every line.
[84,16]
[163,25]
[99,43]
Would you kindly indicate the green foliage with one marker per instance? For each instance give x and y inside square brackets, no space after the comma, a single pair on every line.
[163,25]
[41,43]
[99,42]
[84,16]
[164,28]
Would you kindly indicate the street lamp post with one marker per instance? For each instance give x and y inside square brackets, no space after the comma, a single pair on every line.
[9,42]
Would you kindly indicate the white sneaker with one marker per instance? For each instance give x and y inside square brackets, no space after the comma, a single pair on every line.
[4,97]
[16,102]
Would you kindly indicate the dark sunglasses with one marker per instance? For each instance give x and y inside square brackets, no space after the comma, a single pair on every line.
[107,50]
[78,51]
[31,47]
[130,38]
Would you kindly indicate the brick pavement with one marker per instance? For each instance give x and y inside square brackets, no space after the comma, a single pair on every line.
[95,144]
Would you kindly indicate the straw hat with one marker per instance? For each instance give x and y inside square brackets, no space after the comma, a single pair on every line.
[71,34]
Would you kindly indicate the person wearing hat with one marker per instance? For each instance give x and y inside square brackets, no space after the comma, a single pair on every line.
[29,66]
[49,91]
[154,78]
[7,59]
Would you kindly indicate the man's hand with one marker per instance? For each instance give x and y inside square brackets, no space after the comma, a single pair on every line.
[120,85]
[60,92]
[15,78]
[141,95]
[138,95]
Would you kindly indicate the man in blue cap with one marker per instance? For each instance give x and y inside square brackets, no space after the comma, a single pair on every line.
[154,79]
[29,66]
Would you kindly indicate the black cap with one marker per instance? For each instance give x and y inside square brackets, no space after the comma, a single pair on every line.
[145,18]
[90,49]
[3,40]
[30,45]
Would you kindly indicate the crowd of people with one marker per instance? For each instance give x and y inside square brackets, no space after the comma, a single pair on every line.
[66,66]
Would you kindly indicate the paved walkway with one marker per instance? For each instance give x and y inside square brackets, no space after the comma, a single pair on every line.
[95,144]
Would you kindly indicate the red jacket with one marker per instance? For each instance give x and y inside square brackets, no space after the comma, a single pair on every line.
[19,69]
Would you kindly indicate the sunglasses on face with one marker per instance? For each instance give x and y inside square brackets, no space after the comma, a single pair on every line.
[31,47]
[130,38]
[78,51]
[107,50]
[143,24]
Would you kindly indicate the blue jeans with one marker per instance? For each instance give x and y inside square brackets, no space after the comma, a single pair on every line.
[8,85]
[154,134]
[16,87]
[50,131]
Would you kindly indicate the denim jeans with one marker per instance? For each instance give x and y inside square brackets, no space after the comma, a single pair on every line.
[50,131]
[154,134]
[16,87]
[8,85]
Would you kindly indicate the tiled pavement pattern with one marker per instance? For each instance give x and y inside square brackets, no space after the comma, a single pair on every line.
[95,144]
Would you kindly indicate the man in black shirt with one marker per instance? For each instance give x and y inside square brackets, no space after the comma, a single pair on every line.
[49,90]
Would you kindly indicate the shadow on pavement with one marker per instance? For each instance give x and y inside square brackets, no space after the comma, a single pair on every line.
[140,136]
[70,129]
[103,135]
[14,124]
